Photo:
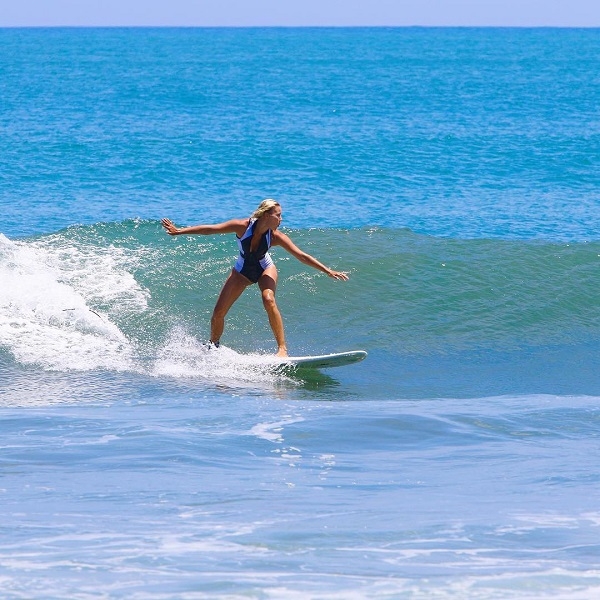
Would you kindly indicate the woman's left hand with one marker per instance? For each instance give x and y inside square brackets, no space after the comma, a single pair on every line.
[341,275]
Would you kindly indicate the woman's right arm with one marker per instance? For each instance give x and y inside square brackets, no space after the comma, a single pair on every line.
[237,226]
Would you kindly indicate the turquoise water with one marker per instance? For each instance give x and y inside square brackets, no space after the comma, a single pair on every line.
[452,172]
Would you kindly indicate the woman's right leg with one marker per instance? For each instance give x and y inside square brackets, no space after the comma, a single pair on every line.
[232,290]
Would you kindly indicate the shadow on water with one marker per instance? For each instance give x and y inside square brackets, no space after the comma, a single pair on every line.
[313,379]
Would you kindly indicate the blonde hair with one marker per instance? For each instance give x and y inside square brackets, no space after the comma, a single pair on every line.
[264,207]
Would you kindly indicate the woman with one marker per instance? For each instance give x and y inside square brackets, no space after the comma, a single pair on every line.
[254,265]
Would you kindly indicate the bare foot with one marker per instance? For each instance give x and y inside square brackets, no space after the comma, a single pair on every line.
[282,351]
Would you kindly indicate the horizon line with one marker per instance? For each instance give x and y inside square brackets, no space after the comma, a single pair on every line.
[163,26]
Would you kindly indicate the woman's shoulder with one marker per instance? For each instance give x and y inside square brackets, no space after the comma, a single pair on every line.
[240,226]
[278,236]
[237,226]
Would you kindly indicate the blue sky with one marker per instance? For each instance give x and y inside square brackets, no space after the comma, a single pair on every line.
[567,13]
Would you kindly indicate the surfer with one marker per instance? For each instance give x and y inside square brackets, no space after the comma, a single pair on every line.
[254,265]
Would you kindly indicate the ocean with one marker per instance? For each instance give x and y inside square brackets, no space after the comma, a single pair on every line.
[453,173]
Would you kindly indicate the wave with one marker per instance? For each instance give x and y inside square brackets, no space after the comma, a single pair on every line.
[115,295]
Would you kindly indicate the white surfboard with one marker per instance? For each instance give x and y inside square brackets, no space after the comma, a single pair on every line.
[323,361]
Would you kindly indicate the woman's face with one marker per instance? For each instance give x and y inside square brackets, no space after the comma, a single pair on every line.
[274,217]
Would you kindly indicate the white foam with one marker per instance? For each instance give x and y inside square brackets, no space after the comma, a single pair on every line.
[45,319]
[272,432]
[184,356]
[100,274]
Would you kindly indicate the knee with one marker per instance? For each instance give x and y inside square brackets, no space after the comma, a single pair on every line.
[218,313]
[268,298]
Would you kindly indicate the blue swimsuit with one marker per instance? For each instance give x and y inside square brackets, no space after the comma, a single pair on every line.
[253,264]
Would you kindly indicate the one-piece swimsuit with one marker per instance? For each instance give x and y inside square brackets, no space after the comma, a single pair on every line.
[253,264]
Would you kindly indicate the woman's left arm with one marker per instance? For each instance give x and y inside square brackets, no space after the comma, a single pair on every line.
[280,239]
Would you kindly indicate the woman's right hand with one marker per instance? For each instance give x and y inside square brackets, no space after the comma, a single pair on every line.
[169,227]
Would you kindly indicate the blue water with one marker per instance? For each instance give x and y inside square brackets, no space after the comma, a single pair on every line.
[454,173]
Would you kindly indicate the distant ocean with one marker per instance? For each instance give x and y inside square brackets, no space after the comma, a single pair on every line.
[454,173]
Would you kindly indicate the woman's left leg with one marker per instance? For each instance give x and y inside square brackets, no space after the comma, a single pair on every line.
[268,284]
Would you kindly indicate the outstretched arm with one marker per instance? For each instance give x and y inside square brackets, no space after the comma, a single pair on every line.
[237,226]
[280,239]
